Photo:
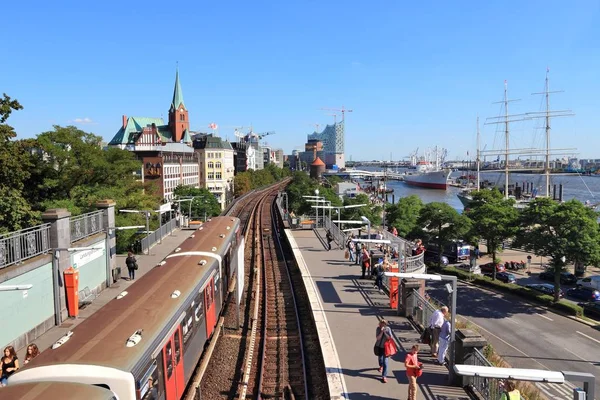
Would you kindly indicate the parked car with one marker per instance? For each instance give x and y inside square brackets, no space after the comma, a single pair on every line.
[489,268]
[584,293]
[467,267]
[566,278]
[591,309]
[590,281]
[434,259]
[545,288]
[506,277]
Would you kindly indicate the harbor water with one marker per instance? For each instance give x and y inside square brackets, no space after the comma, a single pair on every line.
[582,188]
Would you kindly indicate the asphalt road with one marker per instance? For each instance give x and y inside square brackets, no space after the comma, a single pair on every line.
[528,336]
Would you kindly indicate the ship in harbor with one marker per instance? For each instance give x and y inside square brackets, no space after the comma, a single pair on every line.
[427,172]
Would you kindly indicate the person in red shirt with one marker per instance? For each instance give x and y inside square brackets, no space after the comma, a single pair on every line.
[413,369]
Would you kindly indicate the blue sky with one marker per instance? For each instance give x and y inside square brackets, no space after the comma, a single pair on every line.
[415,75]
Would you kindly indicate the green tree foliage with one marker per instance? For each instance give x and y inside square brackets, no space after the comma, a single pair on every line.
[493,219]
[15,211]
[370,211]
[441,224]
[404,215]
[205,204]
[250,180]
[554,230]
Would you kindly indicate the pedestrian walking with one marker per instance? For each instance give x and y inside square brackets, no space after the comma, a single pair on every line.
[10,364]
[329,238]
[366,261]
[131,264]
[379,271]
[444,342]
[383,333]
[435,323]
[350,245]
[358,253]
[510,391]
[32,352]
[414,369]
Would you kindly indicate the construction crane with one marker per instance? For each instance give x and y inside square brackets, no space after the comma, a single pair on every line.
[262,135]
[343,110]
[316,127]
[334,117]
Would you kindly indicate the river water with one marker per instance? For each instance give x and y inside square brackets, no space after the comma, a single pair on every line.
[582,188]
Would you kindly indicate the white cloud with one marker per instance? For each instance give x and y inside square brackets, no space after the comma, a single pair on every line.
[83,121]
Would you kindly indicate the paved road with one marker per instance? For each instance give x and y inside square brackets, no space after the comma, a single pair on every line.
[527,336]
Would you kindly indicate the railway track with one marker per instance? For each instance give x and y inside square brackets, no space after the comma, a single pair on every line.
[266,350]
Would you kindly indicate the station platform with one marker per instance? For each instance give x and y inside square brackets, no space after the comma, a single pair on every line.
[347,311]
[145,263]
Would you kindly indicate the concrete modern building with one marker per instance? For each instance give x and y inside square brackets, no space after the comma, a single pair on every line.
[165,150]
[332,153]
[216,165]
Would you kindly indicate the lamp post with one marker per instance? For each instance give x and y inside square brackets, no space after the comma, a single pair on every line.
[317,211]
[146,214]
[366,221]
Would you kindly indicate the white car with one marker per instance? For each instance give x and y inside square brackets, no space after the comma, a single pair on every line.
[590,281]
[466,267]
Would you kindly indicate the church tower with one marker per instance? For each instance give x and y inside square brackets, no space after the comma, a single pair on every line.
[179,122]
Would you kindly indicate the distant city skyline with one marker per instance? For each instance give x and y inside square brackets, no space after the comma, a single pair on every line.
[415,76]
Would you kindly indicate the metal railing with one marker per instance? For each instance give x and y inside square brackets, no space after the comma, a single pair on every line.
[86,225]
[489,388]
[149,241]
[18,246]
[338,235]
[421,309]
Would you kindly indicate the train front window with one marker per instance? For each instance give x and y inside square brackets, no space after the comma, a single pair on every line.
[169,360]
[177,340]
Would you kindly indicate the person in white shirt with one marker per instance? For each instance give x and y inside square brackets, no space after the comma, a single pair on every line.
[435,323]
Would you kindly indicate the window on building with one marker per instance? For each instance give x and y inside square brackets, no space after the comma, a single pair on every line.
[218,175]
[211,165]
[211,175]
[218,165]
[182,117]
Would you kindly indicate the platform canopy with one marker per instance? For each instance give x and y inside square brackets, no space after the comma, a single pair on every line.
[518,374]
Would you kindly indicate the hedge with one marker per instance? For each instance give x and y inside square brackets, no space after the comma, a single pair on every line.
[511,288]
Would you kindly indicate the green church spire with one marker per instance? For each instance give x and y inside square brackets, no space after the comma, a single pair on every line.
[177,93]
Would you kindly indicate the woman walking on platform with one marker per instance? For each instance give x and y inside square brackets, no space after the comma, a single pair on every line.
[382,333]
[413,371]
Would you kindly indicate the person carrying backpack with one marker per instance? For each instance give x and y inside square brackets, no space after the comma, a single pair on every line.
[329,238]
[351,249]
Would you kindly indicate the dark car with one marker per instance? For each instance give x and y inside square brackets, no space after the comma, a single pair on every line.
[545,288]
[489,268]
[591,309]
[566,278]
[506,277]
[584,293]
[434,259]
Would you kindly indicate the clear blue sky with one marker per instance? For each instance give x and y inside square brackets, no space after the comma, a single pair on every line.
[415,75]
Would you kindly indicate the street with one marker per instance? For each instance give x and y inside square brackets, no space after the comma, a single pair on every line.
[528,336]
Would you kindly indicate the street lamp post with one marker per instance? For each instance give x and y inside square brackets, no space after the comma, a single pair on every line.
[366,221]
[146,214]
[317,210]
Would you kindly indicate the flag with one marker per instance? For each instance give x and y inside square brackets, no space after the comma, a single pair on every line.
[213,126]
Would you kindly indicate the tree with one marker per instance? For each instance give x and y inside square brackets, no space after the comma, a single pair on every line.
[15,211]
[205,204]
[243,183]
[441,224]
[493,218]
[404,215]
[565,233]
[370,211]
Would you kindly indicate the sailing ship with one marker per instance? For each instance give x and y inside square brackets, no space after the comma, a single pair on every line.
[521,201]
[427,173]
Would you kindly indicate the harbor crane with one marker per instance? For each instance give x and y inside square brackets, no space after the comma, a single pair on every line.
[343,110]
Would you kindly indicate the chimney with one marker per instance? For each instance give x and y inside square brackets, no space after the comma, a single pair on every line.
[124,121]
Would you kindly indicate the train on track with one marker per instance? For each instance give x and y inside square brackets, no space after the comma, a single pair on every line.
[146,343]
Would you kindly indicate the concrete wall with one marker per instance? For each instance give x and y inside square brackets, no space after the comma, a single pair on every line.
[91,265]
[25,315]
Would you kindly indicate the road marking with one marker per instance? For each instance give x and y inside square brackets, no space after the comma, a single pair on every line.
[510,345]
[589,337]
[543,316]
[514,322]
[581,358]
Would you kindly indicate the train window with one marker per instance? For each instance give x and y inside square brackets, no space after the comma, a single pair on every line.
[102,385]
[150,386]
[216,281]
[199,310]
[169,360]
[177,340]
[187,323]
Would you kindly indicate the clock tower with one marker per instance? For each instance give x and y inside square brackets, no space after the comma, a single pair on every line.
[179,122]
